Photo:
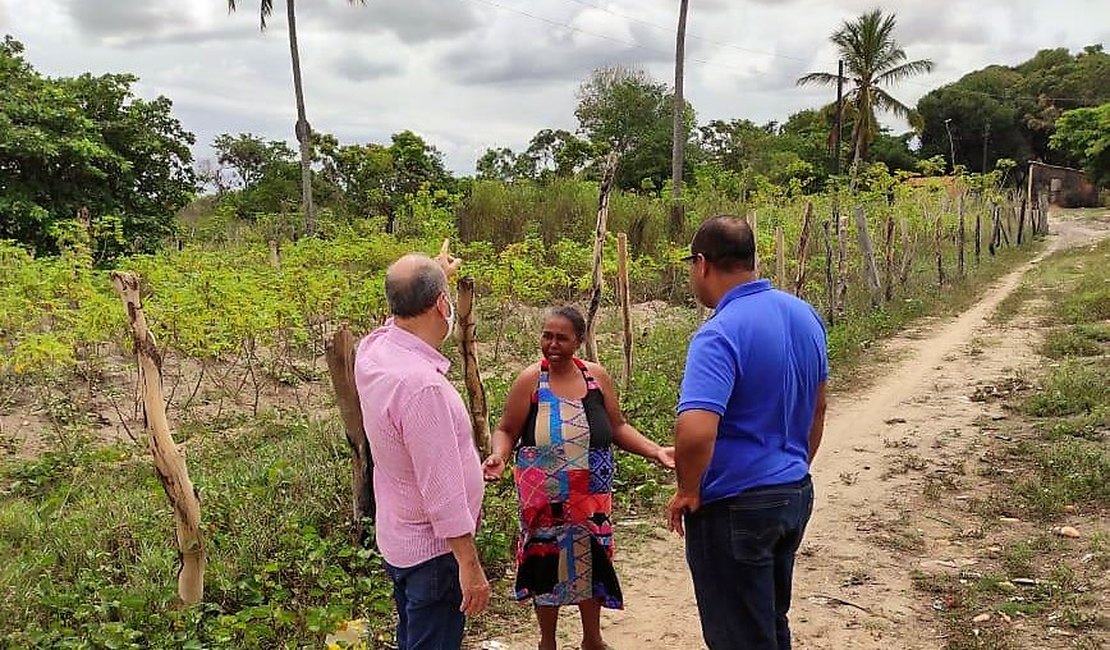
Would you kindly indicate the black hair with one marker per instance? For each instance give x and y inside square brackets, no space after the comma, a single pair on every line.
[577,321]
[726,242]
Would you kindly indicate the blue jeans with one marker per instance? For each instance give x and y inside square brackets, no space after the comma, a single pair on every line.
[741,555]
[428,598]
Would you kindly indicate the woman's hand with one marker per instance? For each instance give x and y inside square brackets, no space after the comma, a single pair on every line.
[494,467]
[665,457]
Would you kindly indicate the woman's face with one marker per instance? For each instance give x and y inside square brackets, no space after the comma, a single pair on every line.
[559,341]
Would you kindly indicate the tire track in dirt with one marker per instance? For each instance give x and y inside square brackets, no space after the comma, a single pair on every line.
[852,584]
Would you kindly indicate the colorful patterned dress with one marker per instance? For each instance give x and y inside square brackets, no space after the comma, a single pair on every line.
[564,479]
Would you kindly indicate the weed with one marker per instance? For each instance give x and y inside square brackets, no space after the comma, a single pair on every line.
[1072,388]
[1018,560]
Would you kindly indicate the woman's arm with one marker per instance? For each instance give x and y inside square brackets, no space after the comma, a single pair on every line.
[625,435]
[517,404]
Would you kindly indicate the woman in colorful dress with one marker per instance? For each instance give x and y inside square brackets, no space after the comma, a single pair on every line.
[562,418]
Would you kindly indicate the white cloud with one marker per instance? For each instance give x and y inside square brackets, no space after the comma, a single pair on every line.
[469,74]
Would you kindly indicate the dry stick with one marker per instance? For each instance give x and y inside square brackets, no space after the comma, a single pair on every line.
[753,223]
[960,238]
[275,255]
[1021,222]
[994,231]
[803,250]
[624,293]
[870,269]
[468,346]
[978,236]
[907,252]
[599,241]
[340,355]
[888,260]
[780,258]
[841,258]
[830,287]
[1044,214]
[169,463]
[1002,228]
[938,245]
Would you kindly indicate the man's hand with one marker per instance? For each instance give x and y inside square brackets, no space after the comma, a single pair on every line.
[681,504]
[475,588]
[665,457]
[494,467]
[449,264]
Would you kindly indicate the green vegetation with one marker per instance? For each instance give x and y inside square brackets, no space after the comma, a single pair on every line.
[68,144]
[1011,112]
[242,304]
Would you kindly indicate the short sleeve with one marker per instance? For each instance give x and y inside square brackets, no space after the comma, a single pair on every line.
[712,369]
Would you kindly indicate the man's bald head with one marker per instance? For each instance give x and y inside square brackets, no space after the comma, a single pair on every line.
[413,284]
[726,242]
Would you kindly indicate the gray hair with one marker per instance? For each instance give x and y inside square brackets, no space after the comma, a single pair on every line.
[416,291]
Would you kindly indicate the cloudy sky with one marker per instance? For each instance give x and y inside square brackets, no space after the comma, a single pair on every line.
[470,74]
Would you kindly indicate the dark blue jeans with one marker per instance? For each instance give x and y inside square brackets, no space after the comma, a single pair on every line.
[741,555]
[428,597]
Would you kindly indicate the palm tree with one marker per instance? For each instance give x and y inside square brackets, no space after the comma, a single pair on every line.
[303,130]
[872,60]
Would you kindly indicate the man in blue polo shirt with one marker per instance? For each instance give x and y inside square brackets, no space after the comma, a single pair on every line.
[750,418]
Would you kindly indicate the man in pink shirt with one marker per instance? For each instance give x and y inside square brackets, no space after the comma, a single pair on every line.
[427,475]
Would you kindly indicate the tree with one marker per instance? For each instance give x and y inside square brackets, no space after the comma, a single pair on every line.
[623,109]
[873,60]
[249,157]
[1083,134]
[302,128]
[552,153]
[1011,112]
[678,216]
[87,143]
[556,153]
[264,175]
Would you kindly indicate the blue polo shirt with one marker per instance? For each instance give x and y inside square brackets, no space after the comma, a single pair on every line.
[757,362]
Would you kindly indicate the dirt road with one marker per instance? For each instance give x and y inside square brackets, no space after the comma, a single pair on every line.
[878,444]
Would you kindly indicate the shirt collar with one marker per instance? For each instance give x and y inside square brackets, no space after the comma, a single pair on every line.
[741,290]
[418,346]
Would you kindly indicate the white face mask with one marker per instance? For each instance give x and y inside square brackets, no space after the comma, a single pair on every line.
[450,318]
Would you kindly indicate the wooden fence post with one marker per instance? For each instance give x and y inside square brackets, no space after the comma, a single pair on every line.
[870,268]
[888,260]
[907,253]
[472,376]
[753,223]
[275,254]
[978,236]
[625,295]
[938,245]
[960,239]
[995,227]
[830,285]
[169,463]
[803,250]
[340,356]
[780,259]
[841,225]
[599,242]
[1021,223]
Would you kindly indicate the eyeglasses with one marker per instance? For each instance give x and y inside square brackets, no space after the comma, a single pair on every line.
[690,258]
